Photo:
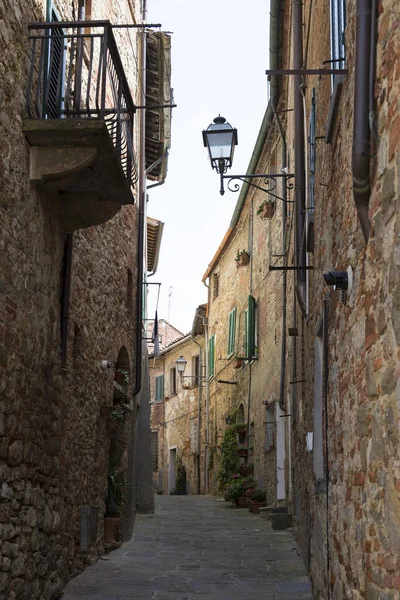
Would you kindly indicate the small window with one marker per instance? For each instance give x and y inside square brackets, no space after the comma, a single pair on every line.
[211,356]
[196,370]
[160,388]
[338,24]
[251,329]
[269,427]
[215,286]
[172,381]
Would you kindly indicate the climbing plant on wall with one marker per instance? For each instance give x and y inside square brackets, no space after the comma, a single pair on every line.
[229,458]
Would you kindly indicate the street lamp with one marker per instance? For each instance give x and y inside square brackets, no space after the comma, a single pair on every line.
[229,420]
[220,139]
[181,363]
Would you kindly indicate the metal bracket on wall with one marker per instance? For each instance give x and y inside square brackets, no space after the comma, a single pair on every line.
[269,181]
[291,268]
[306,71]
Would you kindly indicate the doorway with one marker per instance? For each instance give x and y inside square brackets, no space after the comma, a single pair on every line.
[172,469]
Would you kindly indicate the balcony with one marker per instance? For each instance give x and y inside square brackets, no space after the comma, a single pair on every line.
[80,121]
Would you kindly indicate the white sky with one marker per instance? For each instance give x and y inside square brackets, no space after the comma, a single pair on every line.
[219,57]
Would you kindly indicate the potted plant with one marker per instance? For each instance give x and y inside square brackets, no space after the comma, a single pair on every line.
[235,491]
[256,500]
[242,258]
[116,493]
[266,210]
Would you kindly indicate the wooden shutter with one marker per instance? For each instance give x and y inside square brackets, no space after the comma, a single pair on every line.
[159,388]
[232,332]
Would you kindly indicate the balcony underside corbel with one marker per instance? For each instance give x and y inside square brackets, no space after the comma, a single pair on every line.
[77,161]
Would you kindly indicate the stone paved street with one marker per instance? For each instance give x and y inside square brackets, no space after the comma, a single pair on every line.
[196,547]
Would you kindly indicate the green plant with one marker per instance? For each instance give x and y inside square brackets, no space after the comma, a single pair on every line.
[124,375]
[180,481]
[257,495]
[229,458]
[120,412]
[116,493]
[235,488]
[261,207]
[239,254]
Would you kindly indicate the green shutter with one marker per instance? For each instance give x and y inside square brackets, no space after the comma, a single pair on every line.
[251,328]
[232,332]
[159,388]
[211,356]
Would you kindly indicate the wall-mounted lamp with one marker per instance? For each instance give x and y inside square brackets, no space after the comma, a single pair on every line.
[229,420]
[340,280]
[181,363]
[220,139]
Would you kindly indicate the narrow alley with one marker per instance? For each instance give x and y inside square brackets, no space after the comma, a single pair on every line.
[197,547]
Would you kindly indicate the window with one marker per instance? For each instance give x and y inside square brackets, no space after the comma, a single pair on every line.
[270,427]
[159,388]
[172,381]
[54,83]
[215,287]
[338,24]
[154,450]
[251,328]
[196,370]
[231,332]
[211,356]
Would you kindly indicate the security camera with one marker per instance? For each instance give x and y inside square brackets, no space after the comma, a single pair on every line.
[106,364]
[341,280]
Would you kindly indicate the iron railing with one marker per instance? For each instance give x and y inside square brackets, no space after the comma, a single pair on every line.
[76,72]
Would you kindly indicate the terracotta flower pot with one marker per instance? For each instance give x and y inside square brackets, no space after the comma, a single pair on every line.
[267,210]
[241,502]
[111,525]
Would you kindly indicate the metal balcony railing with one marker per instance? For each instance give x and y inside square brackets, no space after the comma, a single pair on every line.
[76,72]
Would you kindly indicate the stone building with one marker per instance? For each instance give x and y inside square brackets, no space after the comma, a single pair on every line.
[167,334]
[73,151]
[334,104]
[178,413]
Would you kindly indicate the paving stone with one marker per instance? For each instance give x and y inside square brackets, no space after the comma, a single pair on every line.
[196,548]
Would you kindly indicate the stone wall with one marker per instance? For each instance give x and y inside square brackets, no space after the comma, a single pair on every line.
[54,442]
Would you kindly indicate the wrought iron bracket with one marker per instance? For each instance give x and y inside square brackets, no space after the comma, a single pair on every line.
[269,183]
[306,71]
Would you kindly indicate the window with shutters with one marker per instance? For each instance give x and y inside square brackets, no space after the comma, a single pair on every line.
[231,332]
[338,24]
[211,356]
[159,388]
[55,74]
[251,329]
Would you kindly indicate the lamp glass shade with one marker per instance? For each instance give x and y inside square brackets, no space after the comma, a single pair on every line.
[181,363]
[220,138]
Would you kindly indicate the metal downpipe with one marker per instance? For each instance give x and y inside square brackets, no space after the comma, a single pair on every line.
[361,132]
[297,20]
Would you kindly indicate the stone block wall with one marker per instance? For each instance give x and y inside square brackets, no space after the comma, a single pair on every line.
[54,443]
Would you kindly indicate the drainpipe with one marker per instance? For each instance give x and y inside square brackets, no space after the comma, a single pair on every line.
[199,399]
[66,294]
[141,212]
[274,49]
[361,135]
[299,161]
[372,71]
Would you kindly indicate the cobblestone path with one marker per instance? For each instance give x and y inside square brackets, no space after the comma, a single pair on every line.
[197,548]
